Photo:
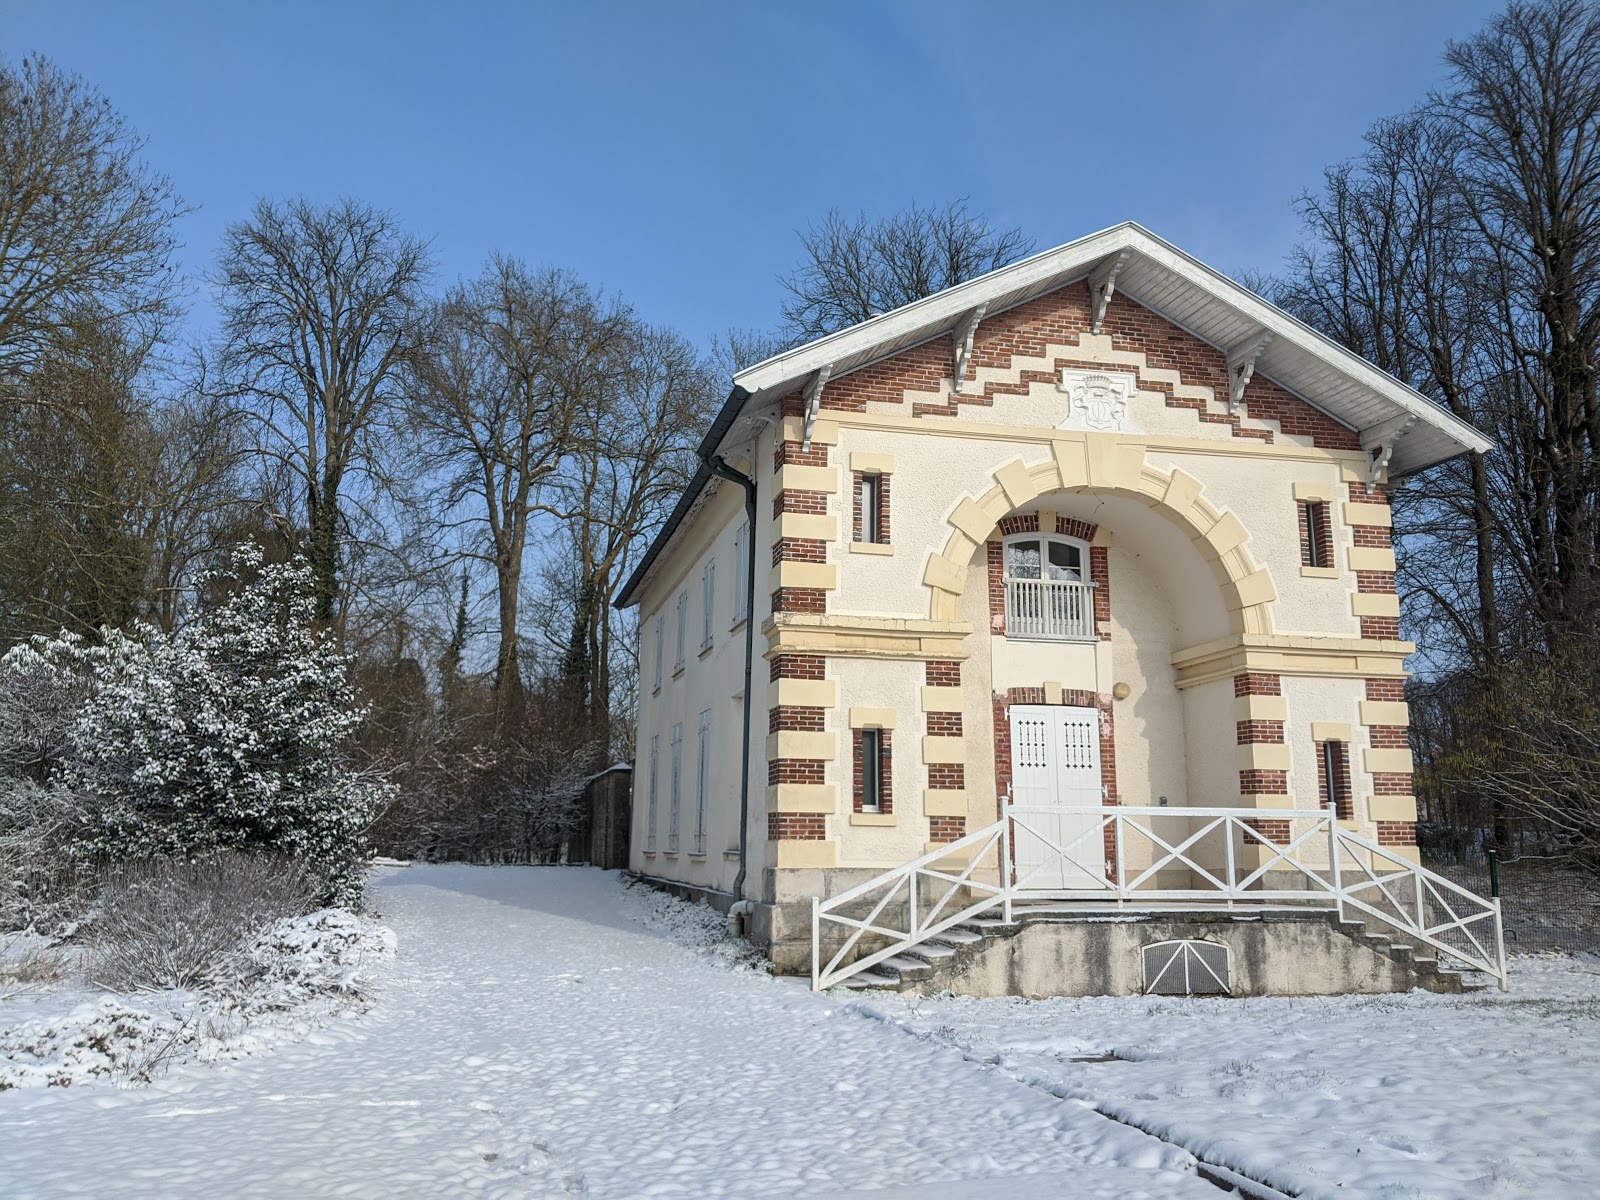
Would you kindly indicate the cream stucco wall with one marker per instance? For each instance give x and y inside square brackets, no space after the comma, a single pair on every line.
[711,681]
[1204,561]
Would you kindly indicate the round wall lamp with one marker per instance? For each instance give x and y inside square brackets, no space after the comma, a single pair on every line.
[1120,691]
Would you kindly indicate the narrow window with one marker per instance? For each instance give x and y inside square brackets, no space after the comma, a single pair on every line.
[872,508]
[708,598]
[661,650]
[1316,534]
[741,571]
[700,784]
[655,757]
[1333,778]
[683,629]
[872,770]
[675,795]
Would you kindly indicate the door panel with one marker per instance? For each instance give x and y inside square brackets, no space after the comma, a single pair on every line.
[1055,761]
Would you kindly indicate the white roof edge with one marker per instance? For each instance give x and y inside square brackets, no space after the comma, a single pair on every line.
[943,306]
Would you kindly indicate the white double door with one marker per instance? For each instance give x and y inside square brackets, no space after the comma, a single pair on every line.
[1055,764]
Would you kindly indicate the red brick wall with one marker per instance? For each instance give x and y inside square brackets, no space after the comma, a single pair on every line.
[796,827]
[1386,689]
[1253,781]
[945,776]
[1374,582]
[1062,317]
[1397,833]
[807,718]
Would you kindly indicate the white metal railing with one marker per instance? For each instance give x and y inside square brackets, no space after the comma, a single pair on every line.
[1228,856]
[1050,610]
[909,904]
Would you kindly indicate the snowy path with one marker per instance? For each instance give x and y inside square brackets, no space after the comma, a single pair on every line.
[536,1039]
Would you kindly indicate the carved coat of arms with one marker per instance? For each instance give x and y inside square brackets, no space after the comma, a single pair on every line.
[1096,400]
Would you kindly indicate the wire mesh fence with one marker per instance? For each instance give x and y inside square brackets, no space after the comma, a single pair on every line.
[1546,903]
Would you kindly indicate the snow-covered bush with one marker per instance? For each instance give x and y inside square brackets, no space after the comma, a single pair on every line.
[43,688]
[41,859]
[172,923]
[232,733]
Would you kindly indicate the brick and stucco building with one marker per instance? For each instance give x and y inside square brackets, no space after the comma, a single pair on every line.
[1101,528]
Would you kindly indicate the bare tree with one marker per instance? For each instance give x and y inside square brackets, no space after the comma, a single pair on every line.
[854,269]
[84,223]
[1461,253]
[632,456]
[319,307]
[511,359]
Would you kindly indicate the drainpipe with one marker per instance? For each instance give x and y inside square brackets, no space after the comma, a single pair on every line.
[720,468]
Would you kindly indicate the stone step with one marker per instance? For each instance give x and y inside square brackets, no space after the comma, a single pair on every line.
[906,968]
[933,951]
[870,978]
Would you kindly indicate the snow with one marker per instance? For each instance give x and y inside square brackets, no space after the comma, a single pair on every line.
[545,1031]
[1412,1096]
[300,973]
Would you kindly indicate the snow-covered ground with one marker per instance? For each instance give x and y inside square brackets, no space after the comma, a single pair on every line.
[1409,1096]
[298,975]
[545,1031]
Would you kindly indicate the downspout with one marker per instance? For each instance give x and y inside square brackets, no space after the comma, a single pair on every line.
[720,468]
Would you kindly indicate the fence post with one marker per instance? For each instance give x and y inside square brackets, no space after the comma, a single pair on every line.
[1494,873]
[816,944]
[1500,943]
[1005,861]
[1333,860]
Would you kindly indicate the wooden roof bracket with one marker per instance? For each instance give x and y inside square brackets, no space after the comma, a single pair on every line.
[1378,441]
[961,336]
[1242,365]
[1103,286]
[813,397]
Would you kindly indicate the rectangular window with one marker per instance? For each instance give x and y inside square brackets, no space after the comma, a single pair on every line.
[683,629]
[1316,534]
[661,651]
[700,783]
[1333,779]
[675,795]
[708,598]
[741,573]
[872,771]
[872,508]
[655,757]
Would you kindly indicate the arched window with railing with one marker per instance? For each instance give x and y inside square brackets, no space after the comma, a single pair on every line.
[1048,593]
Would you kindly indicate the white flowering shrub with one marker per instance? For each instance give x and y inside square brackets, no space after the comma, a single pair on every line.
[233,733]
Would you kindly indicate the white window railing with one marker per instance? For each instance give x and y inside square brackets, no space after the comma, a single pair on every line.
[1050,610]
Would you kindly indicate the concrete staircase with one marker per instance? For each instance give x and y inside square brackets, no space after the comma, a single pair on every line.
[920,967]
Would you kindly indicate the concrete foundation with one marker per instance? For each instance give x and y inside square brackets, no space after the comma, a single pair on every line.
[1270,954]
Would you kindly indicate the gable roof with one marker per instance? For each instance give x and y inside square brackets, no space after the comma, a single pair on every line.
[1155,274]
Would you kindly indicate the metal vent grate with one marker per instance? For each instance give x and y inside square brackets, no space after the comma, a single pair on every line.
[1186,968]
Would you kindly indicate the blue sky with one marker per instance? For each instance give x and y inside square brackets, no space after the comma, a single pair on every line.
[670,151]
